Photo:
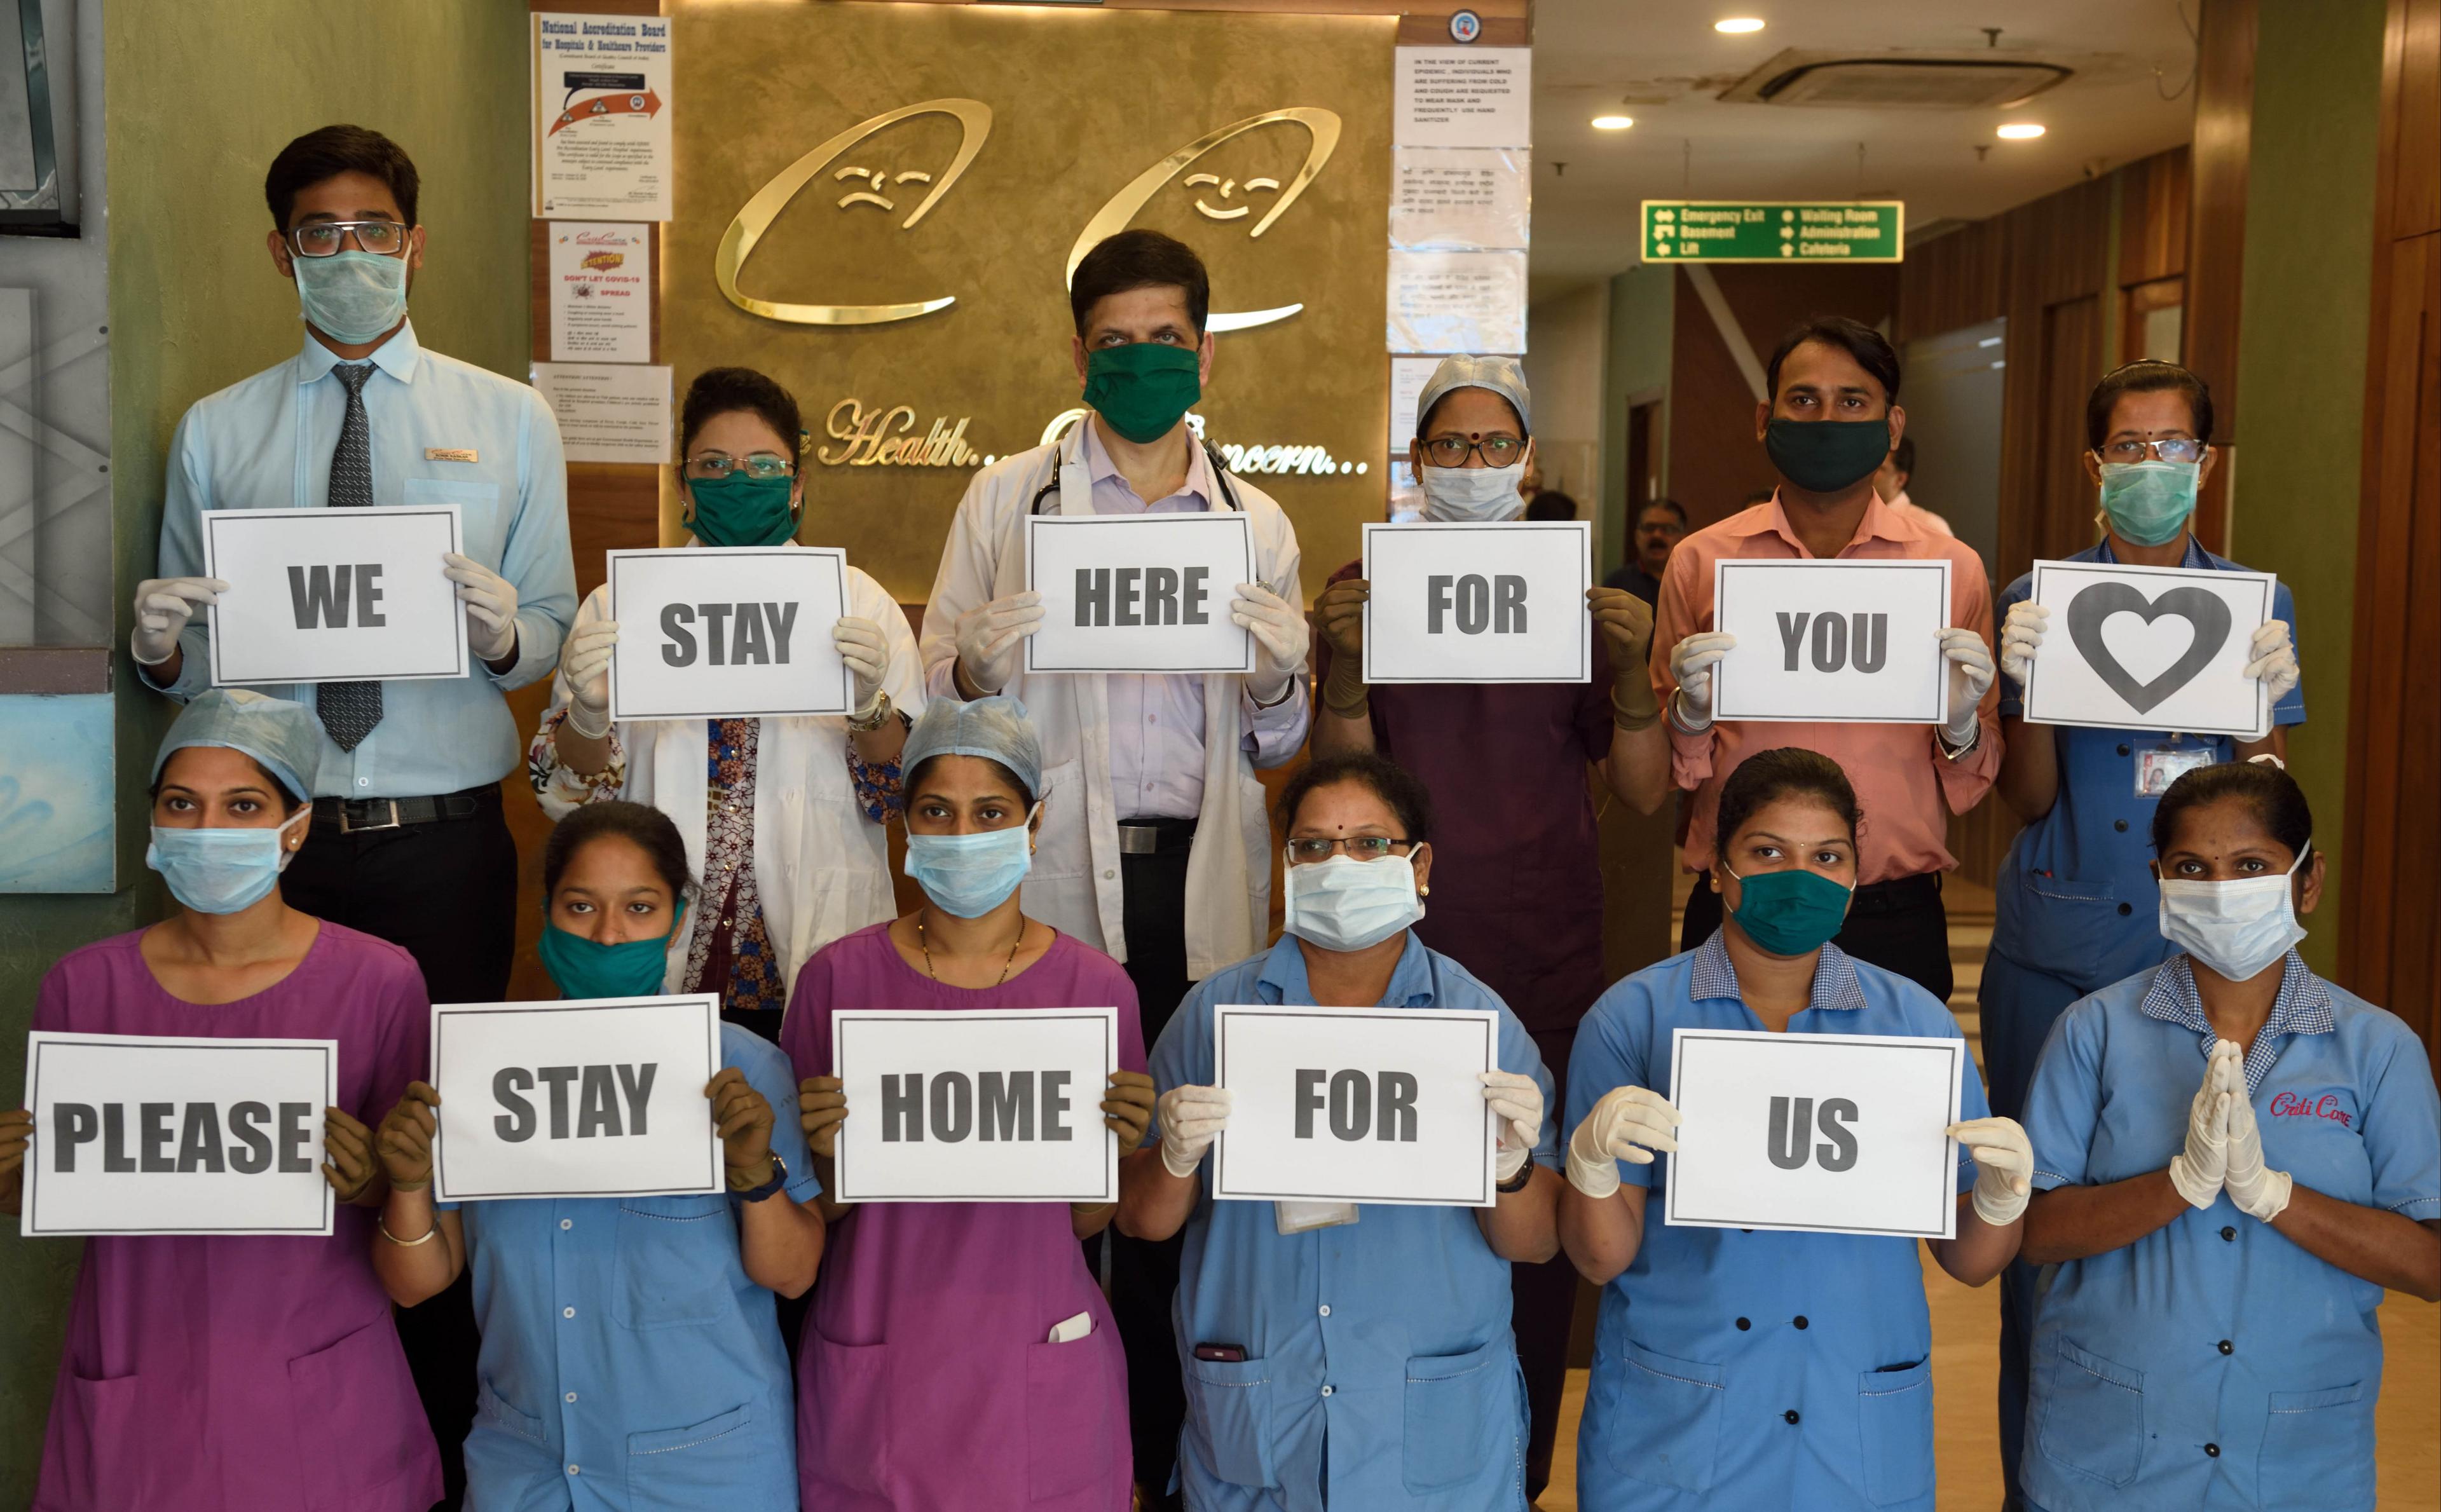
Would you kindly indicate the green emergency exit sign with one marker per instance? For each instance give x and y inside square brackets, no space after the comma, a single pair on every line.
[1773,231]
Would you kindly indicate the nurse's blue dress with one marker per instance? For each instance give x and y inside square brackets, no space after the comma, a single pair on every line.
[2214,1363]
[1737,1371]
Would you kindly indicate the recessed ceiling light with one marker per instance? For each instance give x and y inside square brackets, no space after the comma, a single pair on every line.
[2021,131]
[1736,26]
[1613,124]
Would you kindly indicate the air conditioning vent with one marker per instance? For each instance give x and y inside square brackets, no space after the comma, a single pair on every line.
[1899,79]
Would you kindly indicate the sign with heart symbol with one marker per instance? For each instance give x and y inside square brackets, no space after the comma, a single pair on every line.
[2096,668]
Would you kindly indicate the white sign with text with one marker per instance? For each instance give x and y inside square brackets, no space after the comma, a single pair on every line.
[334,595]
[1139,592]
[1832,641]
[727,632]
[1479,603]
[2149,648]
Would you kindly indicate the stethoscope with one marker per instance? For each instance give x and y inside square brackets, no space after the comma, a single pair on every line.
[1220,474]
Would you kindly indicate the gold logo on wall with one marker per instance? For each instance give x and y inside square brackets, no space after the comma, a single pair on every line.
[865,186]
[877,438]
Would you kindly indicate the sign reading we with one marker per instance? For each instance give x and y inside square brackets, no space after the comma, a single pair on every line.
[1139,592]
[1832,641]
[727,632]
[334,595]
[1479,603]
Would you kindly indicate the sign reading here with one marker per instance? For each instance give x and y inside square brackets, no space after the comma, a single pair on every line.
[727,633]
[1826,1133]
[136,1134]
[598,1097]
[1356,1105]
[1139,592]
[1832,641]
[2149,648]
[334,595]
[980,1105]
[1479,603]
[1774,230]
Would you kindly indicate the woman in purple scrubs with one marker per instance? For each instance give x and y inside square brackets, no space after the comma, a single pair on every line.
[240,1374]
[959,1355]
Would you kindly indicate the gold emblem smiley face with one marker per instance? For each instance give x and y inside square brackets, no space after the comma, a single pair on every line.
[1227,185]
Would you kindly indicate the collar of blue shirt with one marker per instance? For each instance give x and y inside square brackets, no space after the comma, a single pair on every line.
[1835,987]
[2303,1007]
[1101,470]
[1412,981]
[2195,559]
[397,357]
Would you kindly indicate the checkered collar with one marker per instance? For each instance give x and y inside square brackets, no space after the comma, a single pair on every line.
[2304,1007]
[1835,987]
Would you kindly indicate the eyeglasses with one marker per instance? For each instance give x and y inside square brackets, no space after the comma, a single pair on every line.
[1452,451]
[323,238]
[761,466]
[2173,449]
[1362,847]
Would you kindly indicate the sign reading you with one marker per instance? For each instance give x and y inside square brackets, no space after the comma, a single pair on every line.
[334,595]
[1479,603]
[2149,648]
[1139,592]
[1829,1133]
[727,632]
[1850,643]
[1774,230]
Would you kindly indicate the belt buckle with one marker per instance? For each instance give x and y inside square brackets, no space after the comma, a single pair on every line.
[1139,839]
[349,826]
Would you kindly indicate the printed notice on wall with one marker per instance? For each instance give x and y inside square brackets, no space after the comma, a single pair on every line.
[601,116]
[1465,97]
[608,412]
[601,292]
[1408,376]
[1459,198]
[1457,301]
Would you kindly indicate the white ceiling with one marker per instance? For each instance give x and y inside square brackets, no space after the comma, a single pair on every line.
[1590,54]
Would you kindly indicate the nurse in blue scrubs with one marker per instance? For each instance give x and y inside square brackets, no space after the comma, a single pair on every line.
[2075,899]
[1738,1371]
[2234,1158]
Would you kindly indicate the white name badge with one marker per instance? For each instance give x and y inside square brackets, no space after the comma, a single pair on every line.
[982,1105]
[1356,1105]
[729,633]
[1139,592]
[334,595]
[1833,643]
[1479,603]
[2149,648]
[594,1097]
[136,1134]
[1827,1133]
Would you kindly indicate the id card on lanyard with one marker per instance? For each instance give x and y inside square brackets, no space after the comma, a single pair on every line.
[2159,762]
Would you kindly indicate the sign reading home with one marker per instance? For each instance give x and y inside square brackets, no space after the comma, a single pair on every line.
[1139,592]
[729,633]
[1479,603]
[1830,641]
[2149,648]
[334,595]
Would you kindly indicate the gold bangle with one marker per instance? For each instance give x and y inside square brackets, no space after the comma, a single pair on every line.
[381,1223]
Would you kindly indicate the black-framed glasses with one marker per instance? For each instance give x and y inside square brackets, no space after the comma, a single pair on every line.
[1363,847]
[761,466]
[1452,451]
[323,238]
[2169,449]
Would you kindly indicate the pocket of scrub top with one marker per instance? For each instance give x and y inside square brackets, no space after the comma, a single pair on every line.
[1068,1389]
[676,1255]
[2317,1450]
[2092,1413]
[492,1409]
[1660,1417]
[1461,1415]
[845,1422]
[352,1393]
[108,1470]
[1229,1419]
[1894,1419]
[680,1469]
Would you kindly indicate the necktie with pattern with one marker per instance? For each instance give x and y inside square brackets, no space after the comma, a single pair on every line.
[350,709]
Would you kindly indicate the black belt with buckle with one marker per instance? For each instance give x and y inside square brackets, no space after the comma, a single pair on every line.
[1155,836]
[354,816]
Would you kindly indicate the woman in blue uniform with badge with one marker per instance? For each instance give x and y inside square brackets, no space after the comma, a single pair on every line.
[1736,1369]
[2234,1158]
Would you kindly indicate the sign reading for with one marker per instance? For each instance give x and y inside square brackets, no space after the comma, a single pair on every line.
[1356,1105]
[1841,642]
[1479,603]
[2149,648]
[1829,1133]
[334,595]
[1139,592]
[727,632]
[139,1134]
[600,1097]
[1774,230]
[976,1106]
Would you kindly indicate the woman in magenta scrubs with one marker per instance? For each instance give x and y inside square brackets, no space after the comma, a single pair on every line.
[240,1374]
[931,1376]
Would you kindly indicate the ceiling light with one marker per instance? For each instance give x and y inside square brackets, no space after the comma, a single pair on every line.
[1739,25]
[1613,124]
[2021,131]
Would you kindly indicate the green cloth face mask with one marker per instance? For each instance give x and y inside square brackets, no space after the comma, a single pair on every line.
[2149,502]
[587,968]
[1825,456]
[741,511]
[1143,387]
[1789,912]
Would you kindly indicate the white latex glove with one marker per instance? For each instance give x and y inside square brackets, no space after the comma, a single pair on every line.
[1517,1101]
[491,603]
[2004,1167]
[2022,635]
[2197,1170]
[1191,1119]
[163,606]
[1970,679]
[2271,657]
[2258,1193]
[1628,1123]
[585,662]
[862,647]
[1280,638]
[990,639]
[1692,662]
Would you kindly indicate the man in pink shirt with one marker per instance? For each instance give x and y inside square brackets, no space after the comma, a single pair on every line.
[1891,487]
[1832,418]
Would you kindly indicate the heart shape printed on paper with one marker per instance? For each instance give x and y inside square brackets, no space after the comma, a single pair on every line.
[2200,607]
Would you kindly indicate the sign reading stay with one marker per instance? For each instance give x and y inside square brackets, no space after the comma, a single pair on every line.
[139,1134]
[1774,230]
[1356,1105]
[1827,642]
[2149,648]
[980,1105]
[1479,603]
[727,632]
[1831,1133]
[334,595]
[1139,592]
[595,1097]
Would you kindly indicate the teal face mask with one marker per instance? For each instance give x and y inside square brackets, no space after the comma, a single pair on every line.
[2149,502]
[1789,912]
[587,968]
[353,297]
[741,511]
[1142,389]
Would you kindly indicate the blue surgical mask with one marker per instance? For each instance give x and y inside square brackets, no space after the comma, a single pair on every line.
[1344,904]
[221,871]
[970,875]
[353,297]
[2149,502]
[588,969]
[1462,495]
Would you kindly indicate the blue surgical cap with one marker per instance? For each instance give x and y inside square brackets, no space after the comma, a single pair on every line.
[1499,376]
[994,728]
[280,734]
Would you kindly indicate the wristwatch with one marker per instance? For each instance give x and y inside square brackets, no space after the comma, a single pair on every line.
[779,1179]
[1516,1183]
[882,710]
